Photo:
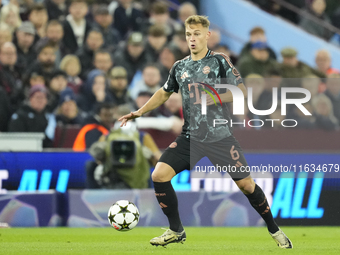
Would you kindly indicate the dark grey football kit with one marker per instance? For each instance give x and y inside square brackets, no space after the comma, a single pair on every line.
[199,137]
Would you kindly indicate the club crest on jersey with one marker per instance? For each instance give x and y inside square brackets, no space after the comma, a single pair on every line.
[206,70]
[185,75]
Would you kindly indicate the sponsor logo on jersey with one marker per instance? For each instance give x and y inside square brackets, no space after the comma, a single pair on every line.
[185,75]
[206,70]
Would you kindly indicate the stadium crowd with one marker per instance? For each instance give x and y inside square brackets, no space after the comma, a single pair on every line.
[70,62]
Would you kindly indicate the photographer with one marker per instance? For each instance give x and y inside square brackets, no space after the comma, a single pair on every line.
[122,159]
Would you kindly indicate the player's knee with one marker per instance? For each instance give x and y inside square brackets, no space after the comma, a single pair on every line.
[247,186]
[157,176]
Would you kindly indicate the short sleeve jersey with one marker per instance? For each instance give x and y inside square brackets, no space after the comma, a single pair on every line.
[195,78]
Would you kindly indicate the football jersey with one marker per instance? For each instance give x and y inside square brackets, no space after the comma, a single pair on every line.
[194,78]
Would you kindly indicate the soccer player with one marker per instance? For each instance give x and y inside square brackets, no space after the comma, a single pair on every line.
[199,137]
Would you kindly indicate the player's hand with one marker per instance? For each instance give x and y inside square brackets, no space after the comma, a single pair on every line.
[210,101]
[133,115]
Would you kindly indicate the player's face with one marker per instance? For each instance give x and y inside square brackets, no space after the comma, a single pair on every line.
[197,37]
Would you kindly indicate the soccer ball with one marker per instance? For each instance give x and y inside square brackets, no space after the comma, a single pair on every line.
[123,215]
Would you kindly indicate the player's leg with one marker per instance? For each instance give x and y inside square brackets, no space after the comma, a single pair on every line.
[259,202]
[228,152]
[166,194]
[174,160]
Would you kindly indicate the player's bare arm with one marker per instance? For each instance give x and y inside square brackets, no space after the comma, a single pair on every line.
[155,101]
[227,97]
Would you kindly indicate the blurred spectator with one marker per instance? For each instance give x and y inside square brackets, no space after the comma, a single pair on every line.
[174,105]
[39,17]
[257,83]
[93,91]
[324,62]
[214,39]
[333,93]
[127,18]
[118,86]
[24,43]
[258,61]
[317,9]
[76,28]
[31,117]
[133,57]
[57,85]
[179,45]
[272,80]
[159,14]
[67,111]
[10,74]
[167,59]
[9,17]
[303,121]
[103,21]
[156,41]
[185,10]
[5,35]
[95,126]
[45,63]
[94,42]
[35,79]
[225,49]
[5,110]
[323,108]
[150,83]
[291,15]
[291,67]
[54,35]
[70,64]
[311,83]
[56,9]
[103,61]
[257,34]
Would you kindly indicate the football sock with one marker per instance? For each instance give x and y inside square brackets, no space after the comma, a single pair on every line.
[259,201]
[167,200]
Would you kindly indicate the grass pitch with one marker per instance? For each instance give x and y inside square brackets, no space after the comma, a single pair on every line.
[203,240]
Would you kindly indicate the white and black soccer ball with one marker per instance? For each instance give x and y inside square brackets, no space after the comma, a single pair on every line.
[123,215]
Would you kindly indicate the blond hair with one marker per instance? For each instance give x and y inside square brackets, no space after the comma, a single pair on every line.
[197,19]
[5,11]
[67,59]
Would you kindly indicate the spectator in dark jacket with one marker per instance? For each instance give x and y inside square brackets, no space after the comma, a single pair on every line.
[317,9]
[102,60]
[133,56]
[94,42]
[257,34]
[94,91]
[56,9]
[54,35]
[103,21]
[5,110]
[118,87]
[24,43]
[31,117]
[10,74]
[76,28]
[45,63]
[127,18]
[68,112]
[57,85]
[156,42]
[39,17]
[258,61]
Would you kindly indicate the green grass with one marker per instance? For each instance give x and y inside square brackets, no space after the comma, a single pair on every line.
[245,241]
